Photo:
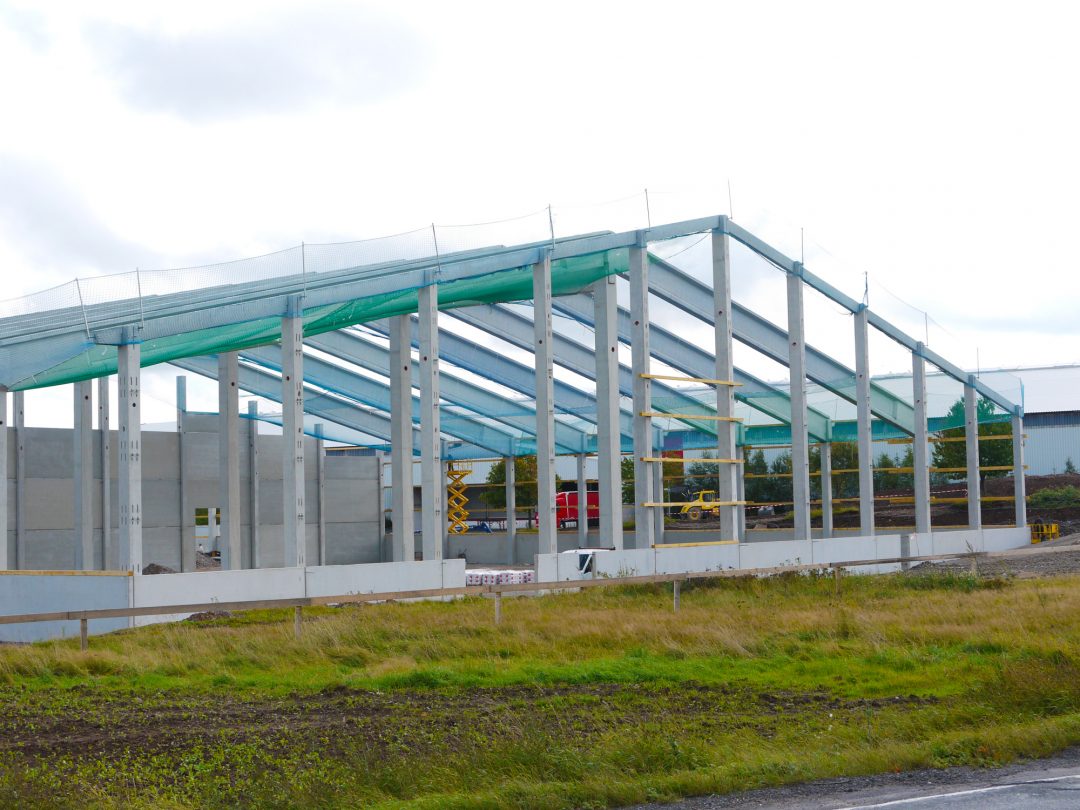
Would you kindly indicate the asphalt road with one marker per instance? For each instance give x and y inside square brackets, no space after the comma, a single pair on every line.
[1052,783]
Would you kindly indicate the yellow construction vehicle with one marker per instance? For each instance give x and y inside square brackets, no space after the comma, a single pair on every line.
[704,503]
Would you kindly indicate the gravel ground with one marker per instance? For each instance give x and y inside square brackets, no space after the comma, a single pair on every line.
[1062,556]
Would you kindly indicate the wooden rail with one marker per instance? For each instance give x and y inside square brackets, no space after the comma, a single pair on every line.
[496,591]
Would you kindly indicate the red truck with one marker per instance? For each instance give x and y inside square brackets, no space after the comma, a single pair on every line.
[566,508]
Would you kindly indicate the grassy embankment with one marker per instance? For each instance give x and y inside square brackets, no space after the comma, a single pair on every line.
[577,700]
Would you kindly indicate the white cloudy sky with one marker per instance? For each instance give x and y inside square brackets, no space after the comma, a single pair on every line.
[931,145]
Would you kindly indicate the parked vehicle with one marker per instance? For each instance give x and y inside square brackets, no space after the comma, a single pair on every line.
[566,509]
[702,504]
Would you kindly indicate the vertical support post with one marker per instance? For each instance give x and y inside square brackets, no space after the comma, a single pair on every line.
[109,559]
[826,490]
[19,407]
[83,478]
[298,622]
[498,607]
[229,459]
[444,476]
[920,452]
[84,633]
[971,442]
[432,482]
[609,436]
[320,476]
[658,497]
[741,494]
[129,481]
[644,528]
[292,428]
[401,440]
[676,590]
[4,557]
[1019,484]
[864,426]
[253,483]
[725,395]
[511,509]
[547,537]
[187,513]
[800,441]
[582,503]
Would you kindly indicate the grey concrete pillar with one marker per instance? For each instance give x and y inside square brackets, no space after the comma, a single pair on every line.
[187,510]
[401,439]
[18,405]
[644,528]
[445,528]
[658,497]
[109,558]
[292,428]
[511,510]
[741,481]
[826,490]
[129,480]
[83,477]
[582,503]
[229,460]
[213,530]
[255,549]
[1019,489]
[547,537]
[864,425]
[432,482]
[971,443]
[800,441]
[4,556]
[726,431]
[609,438]
[320,476]
[920,449]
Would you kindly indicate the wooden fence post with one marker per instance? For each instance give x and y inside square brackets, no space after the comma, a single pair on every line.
[298,618]
[84,632]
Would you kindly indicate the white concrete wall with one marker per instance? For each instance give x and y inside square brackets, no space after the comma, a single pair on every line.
[30,593]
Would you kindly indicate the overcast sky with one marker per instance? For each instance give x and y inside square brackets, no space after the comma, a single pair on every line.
[931,145]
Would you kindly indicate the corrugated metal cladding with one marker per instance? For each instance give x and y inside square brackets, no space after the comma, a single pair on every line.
[1052,439]
[1052,419]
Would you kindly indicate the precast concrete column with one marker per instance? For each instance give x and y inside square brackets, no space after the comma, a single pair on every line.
[511,510]
[320,477]
[255,551]
[18,405]
[83,477]
[432,482]
[401,439]
[1019,489]
[582,503]
[725,394]
[109,558]
[826,490]
[4,556]
[187,511]
[445,529]
[800,440]
[920,452]
[658,497]
[741,493]
[864,425]
[608,438]
[129,480]
[292,428]
[547,537]
[971,443]
[229,460]
[644,528]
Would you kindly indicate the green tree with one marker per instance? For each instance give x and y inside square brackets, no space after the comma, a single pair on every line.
[884,481]
[1070,468]
[701,476]
[524,470]
[757,489]
[626,468]
[991,454]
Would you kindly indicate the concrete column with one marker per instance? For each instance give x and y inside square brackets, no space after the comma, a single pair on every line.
[445,528]
[725,394]
[826,490]
[187,510]
[920,451]
[609,438]
[644,528]
[255,550]
[971,436]
[109,558]
[741,492]
[511,510]
[547,537]
[800,441]
[320,474]
[401,439]
[658,497]
[582,502]
[432,482]
[229,460]
[4,556]
[213,529]
[129,480]
[864,427]
[18,400]
[292,428]
[83,477]
[1018,468]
